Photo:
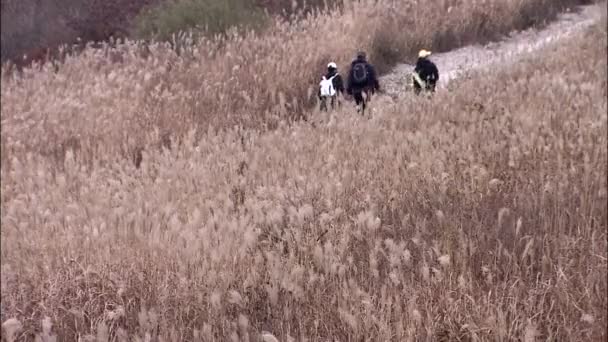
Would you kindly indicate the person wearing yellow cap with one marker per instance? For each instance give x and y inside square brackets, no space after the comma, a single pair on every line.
[425,75]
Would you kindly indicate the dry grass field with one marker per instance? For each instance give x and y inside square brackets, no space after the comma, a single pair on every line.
[133,209]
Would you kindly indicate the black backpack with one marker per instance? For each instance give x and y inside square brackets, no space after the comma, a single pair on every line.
[360,73]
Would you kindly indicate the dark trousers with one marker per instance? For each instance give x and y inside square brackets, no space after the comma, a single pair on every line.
[429,87]
[333,102]
[360,98]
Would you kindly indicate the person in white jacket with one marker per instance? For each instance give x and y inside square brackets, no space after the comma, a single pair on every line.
[331,87]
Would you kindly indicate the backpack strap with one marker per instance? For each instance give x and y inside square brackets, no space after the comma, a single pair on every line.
[417,77]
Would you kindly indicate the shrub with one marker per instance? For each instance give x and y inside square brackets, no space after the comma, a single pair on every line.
[209,16]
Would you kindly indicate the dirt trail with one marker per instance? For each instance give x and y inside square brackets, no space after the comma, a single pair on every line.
[453,63]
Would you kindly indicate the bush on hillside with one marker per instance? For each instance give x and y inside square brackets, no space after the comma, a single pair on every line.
[209,16]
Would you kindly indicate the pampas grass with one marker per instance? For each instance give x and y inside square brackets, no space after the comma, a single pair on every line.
[406,226]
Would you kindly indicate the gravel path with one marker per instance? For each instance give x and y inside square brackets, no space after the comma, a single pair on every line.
[473,57]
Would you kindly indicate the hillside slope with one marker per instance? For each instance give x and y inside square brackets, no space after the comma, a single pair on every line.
[132,97]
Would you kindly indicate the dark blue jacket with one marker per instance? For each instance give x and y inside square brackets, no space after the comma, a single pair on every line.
[372,79]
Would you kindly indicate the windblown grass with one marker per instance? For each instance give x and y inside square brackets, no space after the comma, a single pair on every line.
[479,215]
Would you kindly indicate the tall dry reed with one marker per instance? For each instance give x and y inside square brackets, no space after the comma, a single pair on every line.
[479,215]
[135,96]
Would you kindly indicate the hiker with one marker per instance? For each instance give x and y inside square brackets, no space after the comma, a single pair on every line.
[425,75]
[362,79]
[331,87]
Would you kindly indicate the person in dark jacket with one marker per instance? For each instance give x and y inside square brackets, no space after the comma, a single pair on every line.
[362,79]
[425,74]
[337,85]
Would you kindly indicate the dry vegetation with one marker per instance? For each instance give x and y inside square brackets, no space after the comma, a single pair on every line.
[480,215]
[112,98]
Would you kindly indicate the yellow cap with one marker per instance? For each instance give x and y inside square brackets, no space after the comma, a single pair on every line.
[424,53]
